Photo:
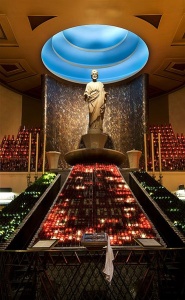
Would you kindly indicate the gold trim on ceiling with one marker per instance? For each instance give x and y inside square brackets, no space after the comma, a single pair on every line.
[176,68]
[2,34]
[172,69]
[179,38]
[14,69]
[7,36]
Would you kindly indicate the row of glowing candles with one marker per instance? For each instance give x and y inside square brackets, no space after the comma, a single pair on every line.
[152,152]
[71,235]
[65,228]
[36,154]
[65,224]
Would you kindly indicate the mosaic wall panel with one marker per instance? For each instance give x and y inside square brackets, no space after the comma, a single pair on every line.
[66,115]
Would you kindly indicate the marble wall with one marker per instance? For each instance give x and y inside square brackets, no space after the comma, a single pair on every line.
[10,112]
[66,115]
[176,101]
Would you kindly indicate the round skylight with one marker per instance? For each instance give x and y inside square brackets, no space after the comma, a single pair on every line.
[116,53]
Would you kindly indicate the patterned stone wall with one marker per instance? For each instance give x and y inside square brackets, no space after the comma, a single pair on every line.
[66,115]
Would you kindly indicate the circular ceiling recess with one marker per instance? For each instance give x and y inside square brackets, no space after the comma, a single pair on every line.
[115,52]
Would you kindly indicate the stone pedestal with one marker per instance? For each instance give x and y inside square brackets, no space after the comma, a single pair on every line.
[94,140]
[134,157]
[53,157]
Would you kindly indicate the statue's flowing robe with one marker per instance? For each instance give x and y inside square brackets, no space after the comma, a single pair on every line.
[96,102]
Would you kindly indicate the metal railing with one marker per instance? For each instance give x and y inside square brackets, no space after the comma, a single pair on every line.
[76,273]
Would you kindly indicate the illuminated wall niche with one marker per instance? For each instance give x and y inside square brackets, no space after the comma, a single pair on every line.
[66,115]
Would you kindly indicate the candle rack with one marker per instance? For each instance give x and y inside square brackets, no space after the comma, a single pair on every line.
[21,152]
[94,200]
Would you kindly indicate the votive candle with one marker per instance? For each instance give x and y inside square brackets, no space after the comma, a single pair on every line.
[152,141]
[29,153]
[37,152]
[159,145]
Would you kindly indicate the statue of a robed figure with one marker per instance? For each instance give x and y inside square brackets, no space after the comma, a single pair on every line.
[96,97]
[95,140]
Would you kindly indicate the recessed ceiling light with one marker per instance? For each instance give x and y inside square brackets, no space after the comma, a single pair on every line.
[115,52]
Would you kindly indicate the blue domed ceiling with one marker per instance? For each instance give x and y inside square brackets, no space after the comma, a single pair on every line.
[116,53]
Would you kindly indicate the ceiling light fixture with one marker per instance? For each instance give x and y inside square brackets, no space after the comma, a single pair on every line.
[115,52]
